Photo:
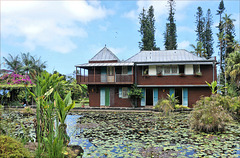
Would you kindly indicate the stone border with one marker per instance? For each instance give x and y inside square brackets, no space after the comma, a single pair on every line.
[106,109]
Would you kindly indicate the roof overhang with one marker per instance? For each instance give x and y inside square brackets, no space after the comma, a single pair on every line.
[176,63]
[104,64]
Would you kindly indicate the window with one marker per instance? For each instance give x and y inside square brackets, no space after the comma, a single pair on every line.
[110,71]
[124,70]
[159,69]
[174,69]
[167,70]
[145,70]
[124,92]
[181,69]
[196,69]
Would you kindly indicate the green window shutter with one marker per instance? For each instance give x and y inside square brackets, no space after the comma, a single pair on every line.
[107,96]
[120,92]
[185,97]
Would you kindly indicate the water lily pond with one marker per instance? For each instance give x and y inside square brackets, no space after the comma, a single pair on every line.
[115,134]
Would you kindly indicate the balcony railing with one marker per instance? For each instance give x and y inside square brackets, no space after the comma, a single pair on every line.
[105,79]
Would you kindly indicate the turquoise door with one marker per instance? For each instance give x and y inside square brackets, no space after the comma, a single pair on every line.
[155,96]
[185,97]
[102,96]
[143,100]
[171,91]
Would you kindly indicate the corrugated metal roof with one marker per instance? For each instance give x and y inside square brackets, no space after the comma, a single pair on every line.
[176,63]
[104,55]
[105,64]
[165,56]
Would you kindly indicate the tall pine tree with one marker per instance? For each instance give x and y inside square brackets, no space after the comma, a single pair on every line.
[147,30]
[208,34]
[200,26]
[220,11]
[170,36]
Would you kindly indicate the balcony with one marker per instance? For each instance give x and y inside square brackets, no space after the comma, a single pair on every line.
[105,79]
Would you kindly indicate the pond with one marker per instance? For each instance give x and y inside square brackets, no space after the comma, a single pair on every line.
[112,134]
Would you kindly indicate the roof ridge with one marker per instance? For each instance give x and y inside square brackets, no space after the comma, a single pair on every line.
[108,51]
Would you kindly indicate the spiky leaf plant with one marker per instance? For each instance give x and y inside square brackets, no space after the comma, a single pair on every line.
[209,116]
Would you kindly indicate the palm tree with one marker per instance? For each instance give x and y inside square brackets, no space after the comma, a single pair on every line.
[233,66]
[27,64]
[199,50]
[13,63]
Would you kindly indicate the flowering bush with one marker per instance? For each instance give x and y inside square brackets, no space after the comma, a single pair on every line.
[12,79]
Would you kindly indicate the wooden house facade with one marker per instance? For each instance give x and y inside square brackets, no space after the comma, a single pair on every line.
[158,73]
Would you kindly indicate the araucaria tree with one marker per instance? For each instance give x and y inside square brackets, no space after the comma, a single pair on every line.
[200,25]
[220,11]
[208,34]
[170,36]
[204,33]
[147,30]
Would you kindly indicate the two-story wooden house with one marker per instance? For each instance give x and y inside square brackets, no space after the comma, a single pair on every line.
[158,73]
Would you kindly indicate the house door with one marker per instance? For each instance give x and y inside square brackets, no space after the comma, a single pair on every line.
[104,96]
[149,96]
[178,95]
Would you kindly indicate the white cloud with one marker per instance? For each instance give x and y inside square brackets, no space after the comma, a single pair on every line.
[117,50]
[48,24]
[160,9]
[131,15]
[183,45]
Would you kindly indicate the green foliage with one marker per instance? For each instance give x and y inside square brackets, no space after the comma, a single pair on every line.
[78,91]
[212,86]
[15,103]
[208,34]
[210,113]
[25,64]
[199,50]
[46,94]
[170,36]
[233,66]
[147,30]
[173,100]
[177,106]
[134,94]
[165,106]
[233,89]
[28,111]
[10,147]
[48,81]
[63,106]
[200,25]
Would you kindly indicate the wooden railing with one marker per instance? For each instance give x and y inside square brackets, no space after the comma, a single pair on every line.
[105,79]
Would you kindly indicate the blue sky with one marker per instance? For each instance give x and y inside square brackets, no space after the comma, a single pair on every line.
[67,33]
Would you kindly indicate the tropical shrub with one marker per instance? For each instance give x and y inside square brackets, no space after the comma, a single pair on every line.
[209,115]
[10,147]
[134,94]
[177,106]
[173,100]
[165,106]
[13,78]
